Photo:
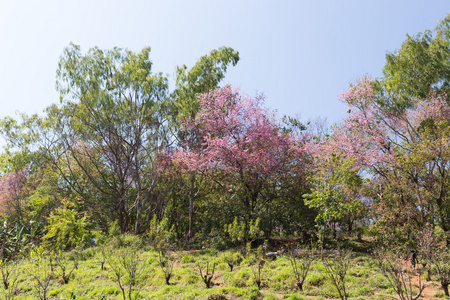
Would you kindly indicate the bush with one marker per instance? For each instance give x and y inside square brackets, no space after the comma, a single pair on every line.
[67,229]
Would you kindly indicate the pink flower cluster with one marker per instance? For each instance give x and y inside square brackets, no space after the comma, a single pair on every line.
[234,134]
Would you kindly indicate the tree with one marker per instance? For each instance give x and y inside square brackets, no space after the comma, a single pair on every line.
[335,190]
[13,194]
[206,75]
[420,66]
[406,154]
[104,137]
[243,150]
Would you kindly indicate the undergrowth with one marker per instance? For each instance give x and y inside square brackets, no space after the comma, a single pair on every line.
[88,281]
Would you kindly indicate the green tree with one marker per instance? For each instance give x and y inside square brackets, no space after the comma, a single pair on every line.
[335,190]
[205,75]
[104,137]
[421,65]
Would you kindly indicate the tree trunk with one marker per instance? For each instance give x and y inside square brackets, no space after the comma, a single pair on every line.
[120,220]
[350,226]
[191,207]
[191,218]
[445,288]
[137,228]
[334,231]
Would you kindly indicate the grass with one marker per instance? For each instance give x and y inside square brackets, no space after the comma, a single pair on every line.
[364,279]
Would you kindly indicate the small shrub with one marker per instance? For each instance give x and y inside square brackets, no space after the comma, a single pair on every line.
[364,291]
[66,228]
[216,297]
[300,264]
[128,268]
[166,262]
[207,277]
[187,258]
[41,272]
[293,297]
[253,293]
[439,294]
[271,297]
[316,280]
[337,268]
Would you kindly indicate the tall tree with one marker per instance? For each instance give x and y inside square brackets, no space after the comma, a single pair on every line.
[243,149]
[205,75]
[421,65]
[406,153]
[109,127]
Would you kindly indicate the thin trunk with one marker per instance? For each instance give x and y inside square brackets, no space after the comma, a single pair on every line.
[137,228]
[191,207]
[191,218]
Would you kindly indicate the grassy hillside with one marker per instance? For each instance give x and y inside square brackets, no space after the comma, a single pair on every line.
[88,281]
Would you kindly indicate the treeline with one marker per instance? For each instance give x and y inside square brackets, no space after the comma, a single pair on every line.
[121,151]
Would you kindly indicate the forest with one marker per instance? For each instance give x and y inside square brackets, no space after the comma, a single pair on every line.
[126,165]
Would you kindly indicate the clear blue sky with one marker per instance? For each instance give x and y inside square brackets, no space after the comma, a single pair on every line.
[301,54]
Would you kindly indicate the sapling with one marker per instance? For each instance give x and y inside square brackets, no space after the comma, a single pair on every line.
[207,277]
[258,260]
[441,261]
[257,273]
[10,278]
[301,262]
[41,272]
[61,264]
[126,262]
[166,265]
[427,246]
[395,269]
[336,267]
[233,259]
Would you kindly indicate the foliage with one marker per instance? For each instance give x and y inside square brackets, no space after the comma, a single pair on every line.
[244,154]
[104,136]
[406,155]
[160,234]
[13,195]
[240,232]
[18,239]
[10,277]
[419,67]
[66,228]
[441,260]
[335,188]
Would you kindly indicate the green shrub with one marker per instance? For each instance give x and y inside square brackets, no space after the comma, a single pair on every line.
[67,229]
[364,291]
[293,297]
[187,259]
[315,279]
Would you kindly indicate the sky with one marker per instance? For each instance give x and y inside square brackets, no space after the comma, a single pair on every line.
[301,54]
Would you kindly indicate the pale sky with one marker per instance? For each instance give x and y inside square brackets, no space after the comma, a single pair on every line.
[300,54]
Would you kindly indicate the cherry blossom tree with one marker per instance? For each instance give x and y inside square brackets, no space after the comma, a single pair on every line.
[13,195]
[243,149]
[405,153]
